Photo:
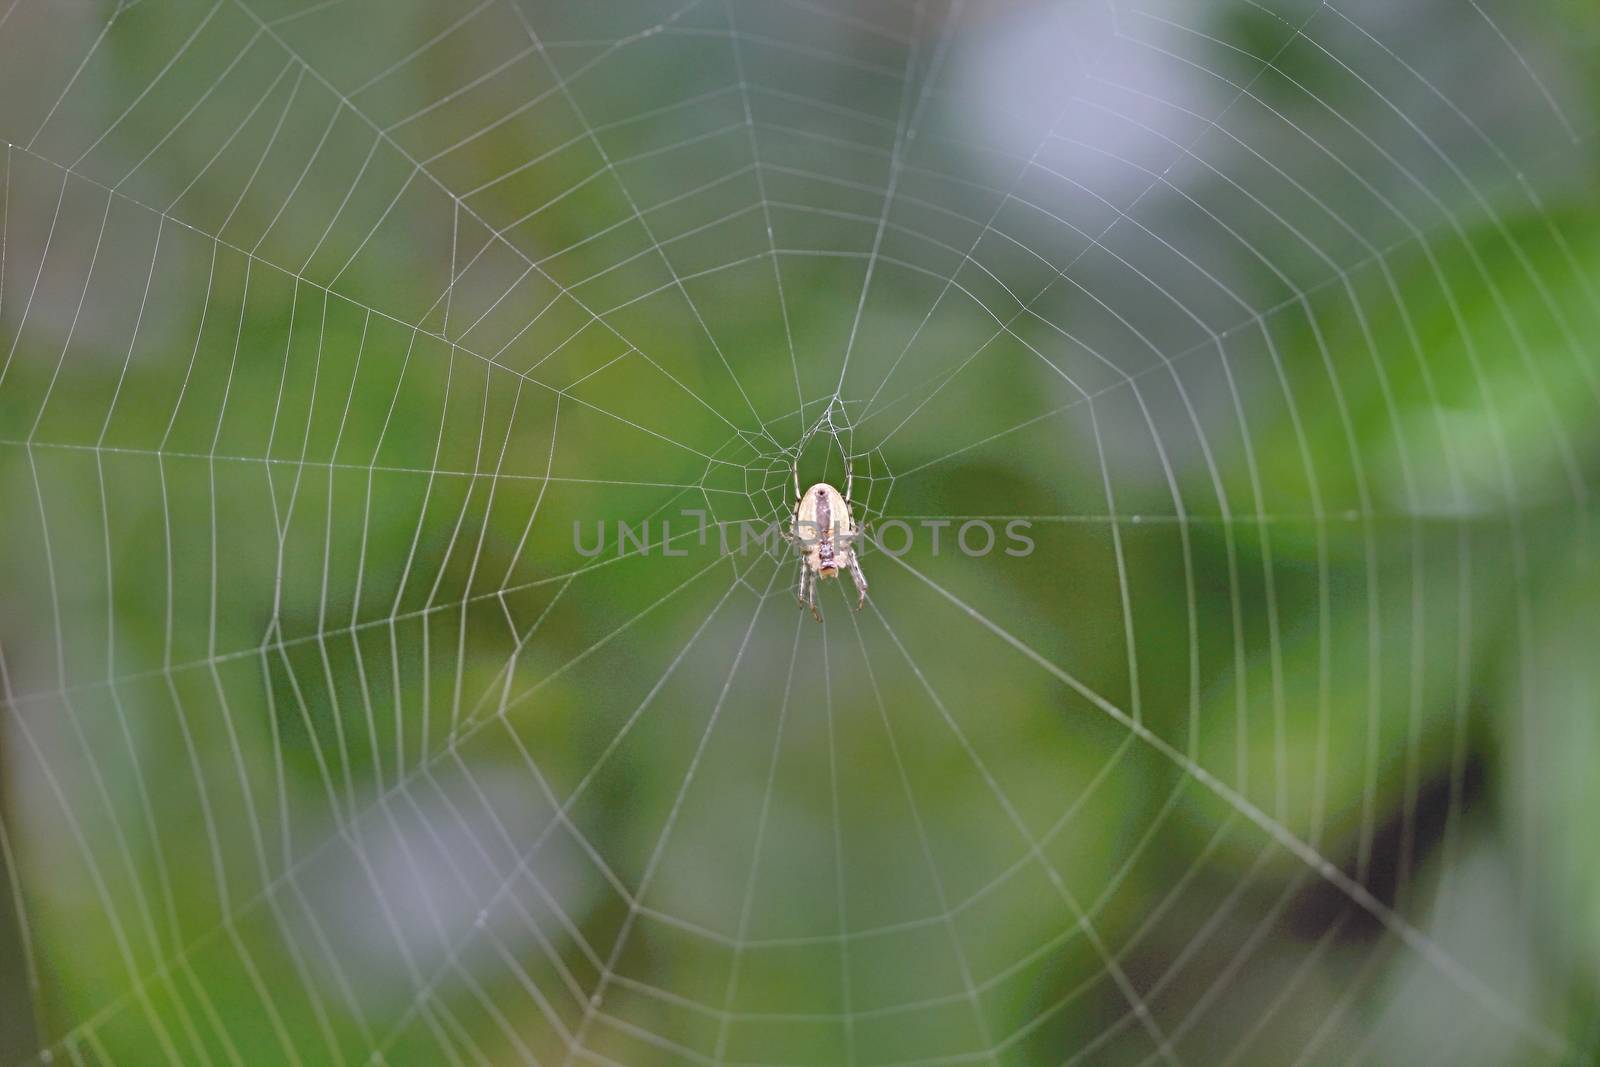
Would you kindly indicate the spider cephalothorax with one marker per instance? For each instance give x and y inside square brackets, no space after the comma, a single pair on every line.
[826,534]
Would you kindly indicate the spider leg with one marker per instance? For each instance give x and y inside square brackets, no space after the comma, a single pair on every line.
[801,594]
[860,579]
[811,600]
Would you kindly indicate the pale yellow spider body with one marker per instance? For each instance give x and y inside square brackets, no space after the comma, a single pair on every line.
[826,534]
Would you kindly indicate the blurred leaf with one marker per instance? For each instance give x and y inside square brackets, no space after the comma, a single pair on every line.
[1452,378]
[1550,748]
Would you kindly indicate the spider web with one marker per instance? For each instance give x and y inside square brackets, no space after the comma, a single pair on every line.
[333,332]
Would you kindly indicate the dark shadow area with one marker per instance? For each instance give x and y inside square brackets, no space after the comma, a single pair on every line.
[1322,903]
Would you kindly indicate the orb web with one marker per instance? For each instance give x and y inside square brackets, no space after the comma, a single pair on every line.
[397,399]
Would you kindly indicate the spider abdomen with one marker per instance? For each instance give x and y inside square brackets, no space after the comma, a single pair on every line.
[822,526]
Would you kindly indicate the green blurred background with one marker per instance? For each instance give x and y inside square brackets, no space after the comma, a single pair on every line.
[323,324]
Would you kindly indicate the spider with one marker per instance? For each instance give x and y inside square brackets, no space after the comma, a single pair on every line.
[826,535]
